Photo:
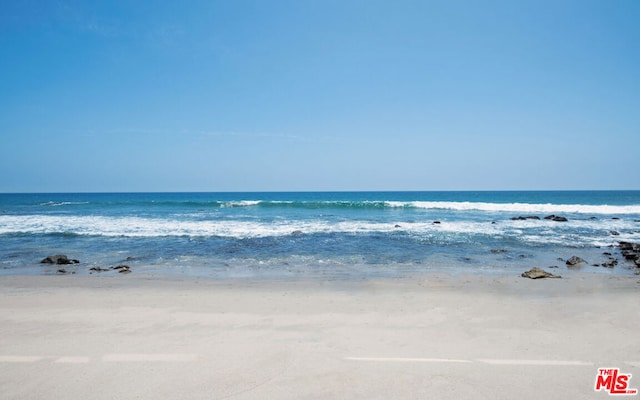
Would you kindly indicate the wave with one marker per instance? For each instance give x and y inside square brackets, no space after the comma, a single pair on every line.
[431,205]
[455,206]
[584,231]
[519,207]
[63,203]
[240,203]
[159,227]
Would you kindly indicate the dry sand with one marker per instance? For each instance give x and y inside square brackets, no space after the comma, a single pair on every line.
[436,336]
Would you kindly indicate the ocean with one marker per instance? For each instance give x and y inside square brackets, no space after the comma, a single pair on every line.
[332,235]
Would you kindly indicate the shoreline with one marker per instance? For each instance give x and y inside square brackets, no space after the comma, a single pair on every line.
[454,277]
[601,261]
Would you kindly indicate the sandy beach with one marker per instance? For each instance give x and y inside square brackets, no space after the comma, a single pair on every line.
[435,336]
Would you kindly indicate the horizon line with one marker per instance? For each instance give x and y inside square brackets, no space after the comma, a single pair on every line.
[326,191]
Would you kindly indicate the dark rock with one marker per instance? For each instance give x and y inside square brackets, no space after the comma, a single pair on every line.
[606,253]
[625,246]
[630,251]
[615,218]
[397,226]
[593,218]
[629,246]
[614,233]
[498,251]
[436,222]
[123,269]
[575,261]
[297,233]
[537,273]
[58,259]
[99,269]
[556,218]
[553,266]
[521,218]
[63,271]
[611,263]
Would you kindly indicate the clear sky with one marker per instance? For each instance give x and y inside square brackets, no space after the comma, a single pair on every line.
[294,95]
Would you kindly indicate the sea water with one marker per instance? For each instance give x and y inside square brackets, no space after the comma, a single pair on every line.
[330,234]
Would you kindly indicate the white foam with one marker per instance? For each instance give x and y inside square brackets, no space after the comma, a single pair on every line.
[241,203]
[63,203]
[542,231]
[518,207]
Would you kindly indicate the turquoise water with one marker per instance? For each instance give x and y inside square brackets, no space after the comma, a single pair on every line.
[338,234]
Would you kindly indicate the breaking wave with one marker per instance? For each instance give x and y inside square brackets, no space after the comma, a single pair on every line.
[543,231]
[462,206]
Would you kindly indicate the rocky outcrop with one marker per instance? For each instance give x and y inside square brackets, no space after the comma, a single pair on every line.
[631,252]
[58,259]
[538,273]
[552,217]
[556,218]
[123,269]
[575,261]
[521,218]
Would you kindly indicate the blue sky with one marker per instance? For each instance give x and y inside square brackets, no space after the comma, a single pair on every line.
[319,95]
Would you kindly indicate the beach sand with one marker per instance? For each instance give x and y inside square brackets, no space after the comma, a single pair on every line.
[433,336]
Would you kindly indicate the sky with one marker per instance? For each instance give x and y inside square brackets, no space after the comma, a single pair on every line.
[270,95]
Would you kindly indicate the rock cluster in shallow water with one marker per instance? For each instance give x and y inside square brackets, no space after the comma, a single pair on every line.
[631,252]
[58,259]
[61,259]
[556,218]
[123,269]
